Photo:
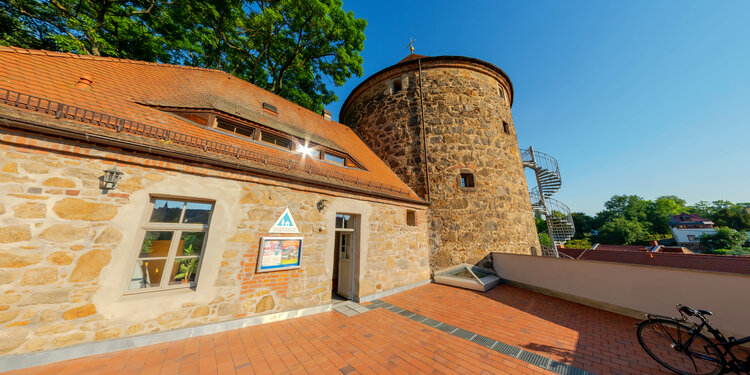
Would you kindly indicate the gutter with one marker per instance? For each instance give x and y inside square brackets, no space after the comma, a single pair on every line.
[38,128]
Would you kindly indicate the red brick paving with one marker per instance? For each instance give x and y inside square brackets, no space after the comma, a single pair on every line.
[584,337]
[380,341]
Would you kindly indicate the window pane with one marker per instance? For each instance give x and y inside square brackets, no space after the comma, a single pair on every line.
[147,274]
[191,244]
[278,141]
[308,151]
[223,125]
[344,222]
[184,270]
[197,213]
[246,132]
[166,211]
[156,245]
[334,158]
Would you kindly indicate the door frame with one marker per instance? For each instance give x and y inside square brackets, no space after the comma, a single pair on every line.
[354,258]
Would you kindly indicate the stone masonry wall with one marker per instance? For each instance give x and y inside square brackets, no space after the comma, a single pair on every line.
[463,115]
[67,250]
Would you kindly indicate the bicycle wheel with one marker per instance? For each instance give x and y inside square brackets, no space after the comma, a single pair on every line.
[664,341]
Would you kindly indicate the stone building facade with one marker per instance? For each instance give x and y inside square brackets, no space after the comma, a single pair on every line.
[73,255]
[444,125]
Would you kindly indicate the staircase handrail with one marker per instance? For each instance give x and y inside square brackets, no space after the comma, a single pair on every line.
[541,160]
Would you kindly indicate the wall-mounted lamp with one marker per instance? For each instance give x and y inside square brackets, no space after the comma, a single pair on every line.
[110,178]
[322,204]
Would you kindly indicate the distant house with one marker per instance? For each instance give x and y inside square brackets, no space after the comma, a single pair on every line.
[687,228]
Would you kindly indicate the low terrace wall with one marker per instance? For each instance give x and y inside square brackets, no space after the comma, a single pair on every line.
[633,289]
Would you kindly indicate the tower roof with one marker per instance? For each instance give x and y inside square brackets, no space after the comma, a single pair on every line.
[411,61]
[411,56]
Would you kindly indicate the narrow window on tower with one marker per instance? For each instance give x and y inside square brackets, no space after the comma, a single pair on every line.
[396,85]
[467,180]
[506,127]
[501,93]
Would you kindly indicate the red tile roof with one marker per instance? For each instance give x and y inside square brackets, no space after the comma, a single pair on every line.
[121,87]
[703,262]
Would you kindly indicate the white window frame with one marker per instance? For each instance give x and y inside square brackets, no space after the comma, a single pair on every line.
[177,228]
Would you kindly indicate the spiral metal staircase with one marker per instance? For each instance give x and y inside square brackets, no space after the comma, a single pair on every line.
[559,220]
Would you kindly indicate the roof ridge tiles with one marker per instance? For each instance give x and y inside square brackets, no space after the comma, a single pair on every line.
[18,50]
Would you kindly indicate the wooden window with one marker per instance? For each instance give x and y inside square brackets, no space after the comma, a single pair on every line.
[467,180]
[172,246]
[335,159]
[275,140]
[411,218]
[232,128]
[506,127]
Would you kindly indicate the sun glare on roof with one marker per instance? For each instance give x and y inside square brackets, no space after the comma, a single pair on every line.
[307,151]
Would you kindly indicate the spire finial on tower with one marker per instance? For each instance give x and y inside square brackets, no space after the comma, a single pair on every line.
[411,46]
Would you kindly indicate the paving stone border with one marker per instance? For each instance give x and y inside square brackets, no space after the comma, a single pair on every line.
[500,347]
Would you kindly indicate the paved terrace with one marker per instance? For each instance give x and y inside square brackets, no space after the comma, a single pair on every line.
[384,341]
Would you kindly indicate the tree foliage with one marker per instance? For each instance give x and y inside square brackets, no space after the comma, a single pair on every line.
[293,48]
[724,238]
[622,231]
[630,219]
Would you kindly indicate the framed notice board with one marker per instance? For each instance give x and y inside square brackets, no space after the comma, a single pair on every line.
[279,253]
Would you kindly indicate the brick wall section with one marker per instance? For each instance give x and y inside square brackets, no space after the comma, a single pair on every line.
[463,116]
[67,250]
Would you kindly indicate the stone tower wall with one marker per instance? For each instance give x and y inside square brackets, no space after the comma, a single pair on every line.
[463,115]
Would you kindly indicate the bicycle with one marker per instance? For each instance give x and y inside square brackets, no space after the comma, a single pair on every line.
[679,345]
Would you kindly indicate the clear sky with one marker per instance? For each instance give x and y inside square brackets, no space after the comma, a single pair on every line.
[631,97]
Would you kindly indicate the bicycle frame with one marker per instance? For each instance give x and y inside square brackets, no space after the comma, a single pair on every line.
[723,346]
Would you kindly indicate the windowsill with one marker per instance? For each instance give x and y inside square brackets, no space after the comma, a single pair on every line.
[473,188]
[172,289]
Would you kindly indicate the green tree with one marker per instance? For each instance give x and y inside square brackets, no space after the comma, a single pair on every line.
[583,243]
[541,223]
[658,211]
[724,238]
[544,240]
[289,47]
[585,224]
[293,48]
[630,207]
[622,231]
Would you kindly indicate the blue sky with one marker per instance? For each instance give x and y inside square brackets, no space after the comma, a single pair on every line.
[631,97]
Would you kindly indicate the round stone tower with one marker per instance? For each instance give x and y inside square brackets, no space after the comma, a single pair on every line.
[443,124]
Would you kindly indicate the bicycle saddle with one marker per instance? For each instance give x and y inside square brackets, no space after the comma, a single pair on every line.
[693,312]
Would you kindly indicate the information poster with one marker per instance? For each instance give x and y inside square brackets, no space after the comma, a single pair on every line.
[279,253]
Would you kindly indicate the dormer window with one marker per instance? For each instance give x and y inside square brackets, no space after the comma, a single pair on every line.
[238,127]
[275,140]
[335,159]
[305,150]
[232,128]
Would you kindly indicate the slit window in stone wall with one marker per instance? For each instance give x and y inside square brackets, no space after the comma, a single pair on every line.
[411,218]
[396,85]
[172,246]
[467,180]
[506,127]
